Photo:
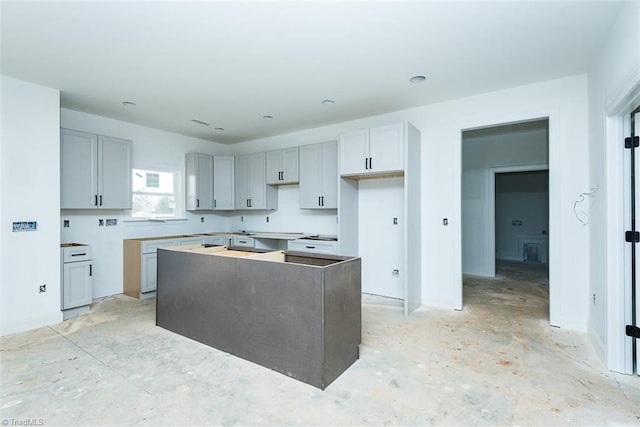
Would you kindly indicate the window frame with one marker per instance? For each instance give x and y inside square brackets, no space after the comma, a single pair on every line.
[178,193]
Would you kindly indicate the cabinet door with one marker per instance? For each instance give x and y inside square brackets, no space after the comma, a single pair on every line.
[78,169]
[310,176]
[196,240]
[386,148]
[290,165]
[257,181]
[77,284]
[149,272]
[223,183]
[114,173]
[199,184]
[242,182]
[274,167]
[354,152]
[204,181]
[329,175]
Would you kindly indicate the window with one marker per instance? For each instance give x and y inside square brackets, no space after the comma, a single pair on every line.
[155,194]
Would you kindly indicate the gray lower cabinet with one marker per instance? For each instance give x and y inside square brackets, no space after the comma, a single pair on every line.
[313,246]
[76,279]
[140,262]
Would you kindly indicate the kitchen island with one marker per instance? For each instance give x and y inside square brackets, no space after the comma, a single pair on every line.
[296,313]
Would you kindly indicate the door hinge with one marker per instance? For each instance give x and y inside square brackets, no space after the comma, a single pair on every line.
[632,236]
[633,331]
[632,142]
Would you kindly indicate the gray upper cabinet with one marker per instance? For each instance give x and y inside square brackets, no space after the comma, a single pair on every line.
[319,176]
[95,171]
[251,189]
[378,150]
[282,166]
[199,183]
[223,183]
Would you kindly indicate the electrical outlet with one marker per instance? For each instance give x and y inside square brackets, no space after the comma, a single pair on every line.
[267,219]
[65,223]
[201,219]
[100,222]
[594,299]
[445,221]
[395,221]
[241,219]
[43,288]
[396,273]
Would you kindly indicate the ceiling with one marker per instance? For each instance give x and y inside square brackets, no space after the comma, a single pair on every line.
[232,63]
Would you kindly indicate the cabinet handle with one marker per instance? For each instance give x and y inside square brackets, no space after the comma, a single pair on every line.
[247,202]
[319,201]
[370,162]
[82,254]
[101,200]
[310,247]
[214,203]
[322,200]
[197,203]
[95,200]
[242,241]
[366,163]
[90,269]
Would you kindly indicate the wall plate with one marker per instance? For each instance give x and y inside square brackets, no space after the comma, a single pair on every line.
[25,226]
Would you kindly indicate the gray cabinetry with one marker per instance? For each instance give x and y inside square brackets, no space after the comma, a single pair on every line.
[282,166]
[76,279]
[140,262]
[95,171]
[319,176]
[376,150]
[313,246]
[199,182]
[252,191]
[223,183]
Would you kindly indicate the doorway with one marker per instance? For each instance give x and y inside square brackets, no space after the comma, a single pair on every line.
[505,203]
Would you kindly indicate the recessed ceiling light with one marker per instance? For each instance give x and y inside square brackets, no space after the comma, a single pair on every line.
[267,117]
[128,104]
[200,122]
[219,129]
[328,102]
[417,79]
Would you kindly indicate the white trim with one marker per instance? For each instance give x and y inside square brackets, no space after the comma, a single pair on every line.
[618,347]
[492,204]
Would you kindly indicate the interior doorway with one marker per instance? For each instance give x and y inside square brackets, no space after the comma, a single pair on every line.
[505,211]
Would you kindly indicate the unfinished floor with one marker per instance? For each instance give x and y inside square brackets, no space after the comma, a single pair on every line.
[495,362]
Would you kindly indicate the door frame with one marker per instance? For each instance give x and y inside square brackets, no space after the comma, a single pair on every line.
[555,202]
[617,346]
[492,204]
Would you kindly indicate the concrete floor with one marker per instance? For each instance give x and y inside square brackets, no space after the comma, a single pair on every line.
[496,362]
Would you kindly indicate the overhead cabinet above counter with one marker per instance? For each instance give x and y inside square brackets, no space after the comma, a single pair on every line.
[95,171]
[378,150]
[319,176]
[210,182]
[252,191]
[282,166]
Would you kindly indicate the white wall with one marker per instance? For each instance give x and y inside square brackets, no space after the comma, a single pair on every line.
[480,154]
[521,197]
[152,148]
[30,191]
[613,74]
[564,101]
